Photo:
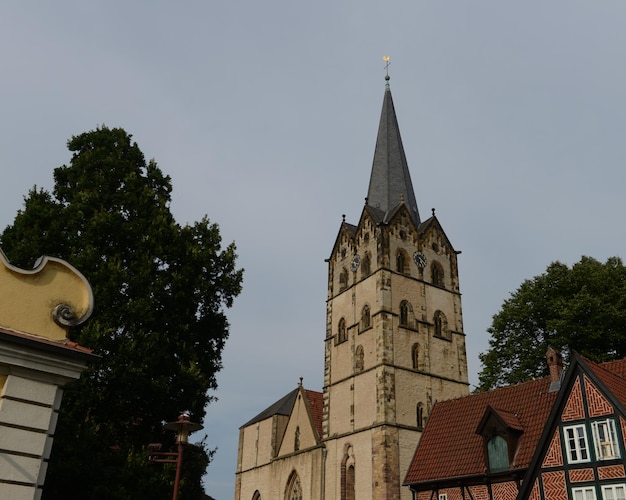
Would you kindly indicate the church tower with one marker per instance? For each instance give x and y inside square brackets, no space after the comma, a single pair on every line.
[394,345]
[394,331]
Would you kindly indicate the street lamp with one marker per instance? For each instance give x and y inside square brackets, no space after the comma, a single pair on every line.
[182,427]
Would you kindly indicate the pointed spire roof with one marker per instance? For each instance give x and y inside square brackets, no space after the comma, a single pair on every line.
[390,181]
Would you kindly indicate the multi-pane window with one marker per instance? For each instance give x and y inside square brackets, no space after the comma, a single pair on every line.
[614,492]
[576,444]
[605,439]
[443,496]
[585,493]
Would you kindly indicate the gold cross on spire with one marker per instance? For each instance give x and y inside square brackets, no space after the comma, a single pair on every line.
[386,59]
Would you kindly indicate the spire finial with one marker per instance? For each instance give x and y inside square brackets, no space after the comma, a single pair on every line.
[387,63]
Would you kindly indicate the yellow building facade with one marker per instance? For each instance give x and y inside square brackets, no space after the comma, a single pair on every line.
[37,307]
[394,344]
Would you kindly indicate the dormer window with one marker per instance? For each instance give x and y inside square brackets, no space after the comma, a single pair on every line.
[498,454]
[501,431]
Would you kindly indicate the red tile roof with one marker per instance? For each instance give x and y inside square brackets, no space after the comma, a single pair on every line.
[452,425]
[316,404]
[613,375]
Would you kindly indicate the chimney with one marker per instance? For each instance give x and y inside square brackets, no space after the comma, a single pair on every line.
[555,364]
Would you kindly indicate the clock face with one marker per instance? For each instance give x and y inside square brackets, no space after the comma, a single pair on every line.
[420,259]
[354,264]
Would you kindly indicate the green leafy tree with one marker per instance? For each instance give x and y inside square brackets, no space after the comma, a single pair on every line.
[582,309]
[158,326]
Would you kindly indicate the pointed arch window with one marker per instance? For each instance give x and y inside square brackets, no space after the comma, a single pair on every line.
[293,491]
[420,416]
[342,334]
[406,314]
[296,440]
[436,273]
[350,479]
[359,359]
[343,279]
[366,319]
[441,325]
[256,496]
[402,265]
[415,355]
[348,476]
[366,264]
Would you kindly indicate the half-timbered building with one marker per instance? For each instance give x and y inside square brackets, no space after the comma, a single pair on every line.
[557,438]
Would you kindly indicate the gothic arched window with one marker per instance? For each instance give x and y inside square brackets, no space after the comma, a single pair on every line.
[441,325]
[366,320]
[359,359]
[348,479]
[366,263]
[406,313]
[401,262]
[436,273]
[256,496]
[420,416]
[343,279]
[342,334]
[293,491]
[296,440]
[415,353]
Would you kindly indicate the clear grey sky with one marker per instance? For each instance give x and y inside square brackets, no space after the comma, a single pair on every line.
[513,118]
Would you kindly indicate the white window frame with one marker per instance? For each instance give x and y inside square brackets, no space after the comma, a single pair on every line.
[584,493]
[443,496]
[611,488]
[577,453]
[605,439]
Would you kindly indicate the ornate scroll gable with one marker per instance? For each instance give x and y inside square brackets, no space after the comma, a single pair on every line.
[44,301]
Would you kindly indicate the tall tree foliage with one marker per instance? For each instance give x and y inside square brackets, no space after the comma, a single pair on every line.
[582,309]
[159,324]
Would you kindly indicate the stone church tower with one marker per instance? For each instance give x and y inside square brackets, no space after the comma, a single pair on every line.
[394,344]
[394,328]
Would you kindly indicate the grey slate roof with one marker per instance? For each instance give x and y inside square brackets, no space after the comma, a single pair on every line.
[281,407]
[390,181]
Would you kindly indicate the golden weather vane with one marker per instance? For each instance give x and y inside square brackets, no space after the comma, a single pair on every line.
[387,63]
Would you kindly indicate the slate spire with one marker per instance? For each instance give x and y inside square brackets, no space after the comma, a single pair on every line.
[390,181]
